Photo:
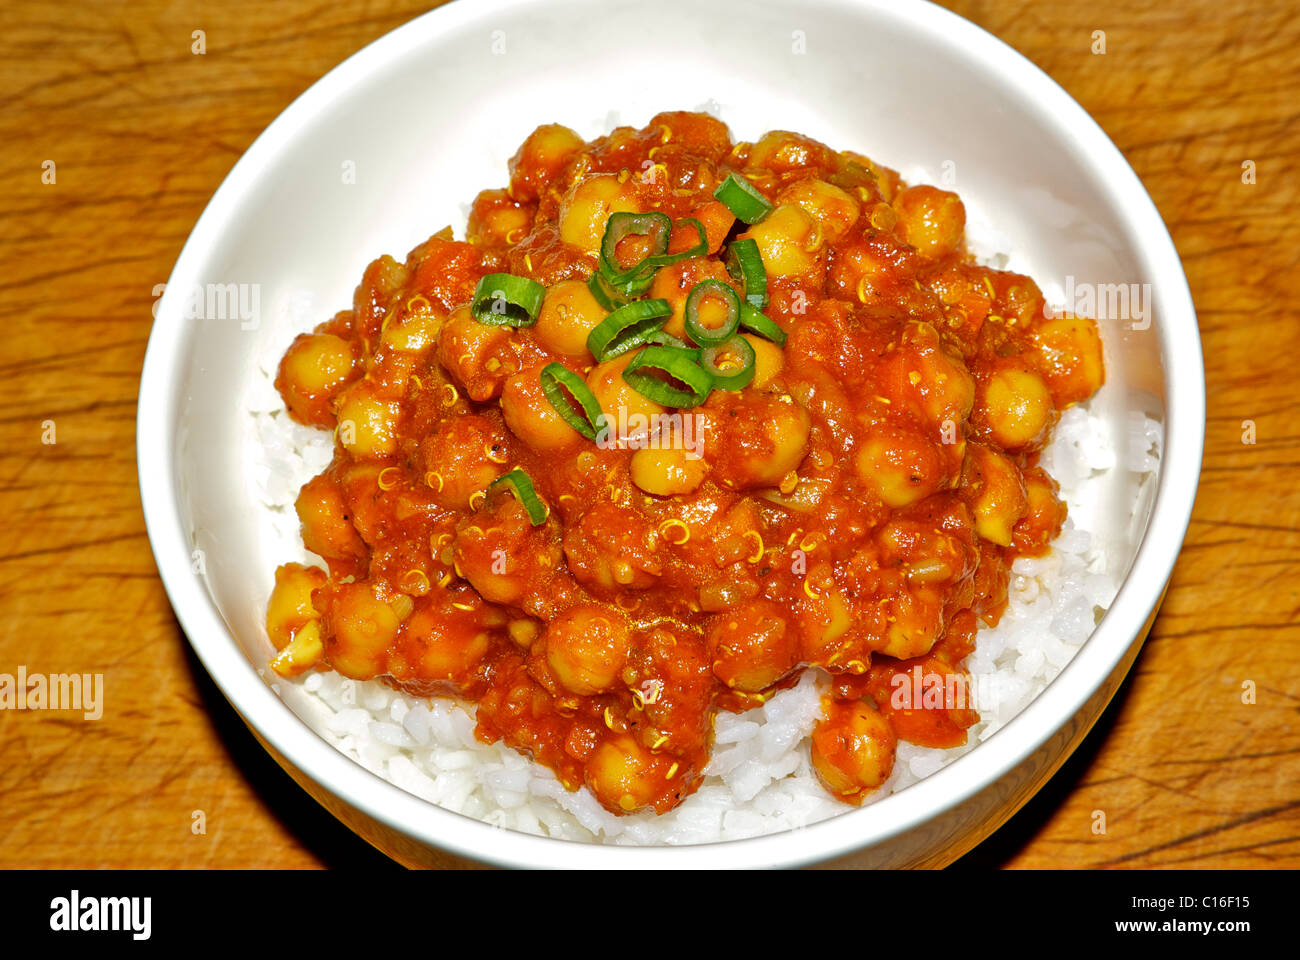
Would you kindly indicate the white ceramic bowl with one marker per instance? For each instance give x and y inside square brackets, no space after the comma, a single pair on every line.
[428,115]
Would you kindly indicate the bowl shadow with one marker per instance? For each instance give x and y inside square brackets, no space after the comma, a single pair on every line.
[997,851]
[297,813]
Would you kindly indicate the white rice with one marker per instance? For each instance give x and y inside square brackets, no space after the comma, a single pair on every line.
[760,779]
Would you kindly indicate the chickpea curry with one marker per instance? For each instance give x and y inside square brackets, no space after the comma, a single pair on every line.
[679,420]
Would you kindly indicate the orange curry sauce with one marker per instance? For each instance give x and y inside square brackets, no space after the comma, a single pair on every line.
[855,508]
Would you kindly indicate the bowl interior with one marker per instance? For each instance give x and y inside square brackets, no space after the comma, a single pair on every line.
[393,146]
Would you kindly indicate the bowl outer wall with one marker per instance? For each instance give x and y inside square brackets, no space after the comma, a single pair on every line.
[1071,703]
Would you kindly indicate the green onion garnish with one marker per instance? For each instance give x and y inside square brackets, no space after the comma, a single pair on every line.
[621,285]
[502,299]
[757,322]
[654,225]
[627,327]
[665,339]
[605,295]
[556,380]
[676,365]
[700,249]
[742,198]
[522,487]
[852,176]
[730,363]
[695,328]
[745,264]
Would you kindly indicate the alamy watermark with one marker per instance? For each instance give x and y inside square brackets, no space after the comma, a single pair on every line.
[219,301]
[920,689]
[75,913]
[661,431]
[1129,302]
[55,691]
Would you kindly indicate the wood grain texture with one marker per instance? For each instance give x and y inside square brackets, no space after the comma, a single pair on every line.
[142,131]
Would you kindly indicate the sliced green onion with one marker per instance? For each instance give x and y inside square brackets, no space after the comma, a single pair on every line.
[700,249]
[654,225]
[627,327]
[605,295]
[626,287]
[621,285]
[852,176]
[738,357]
[695,328]
[745,263]
[678,365]
[556,380]
[757,322]
[521,485]
[665,339]
[742,198]
[502,299]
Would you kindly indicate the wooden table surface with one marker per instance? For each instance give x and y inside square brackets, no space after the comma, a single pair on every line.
[141,131]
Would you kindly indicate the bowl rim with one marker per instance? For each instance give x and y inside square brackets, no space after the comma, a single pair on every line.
[1123,624]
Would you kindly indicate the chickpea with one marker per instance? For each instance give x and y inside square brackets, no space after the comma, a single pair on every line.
[853,749]
[1044,515]
[359,483]
[359,629]
[674,283]
[312,372]
[368,423]
[531,417]
[586,209]
[706,135]
[461,456]
[618,400]
[781,151]
[569,313]
[928,548]
[477,356]
[523,632]
[497,220]
[613,548]
[327,527]
[861,270]
[290,605]
[1071,358]
[826,203]
[503,556]
[1016,406]
[888,182]
[445,643]
[758,440]
[942,386]
[899,467]
[769,361]
[1023,302]
[540,158]
[667,473]
[586,649]
[917,621]
[824,621]
[302,653]
[788,240]
[992,485]
[447,271]
[931,220]
[752,646]
[412,332]
[621,773]
[380,283]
